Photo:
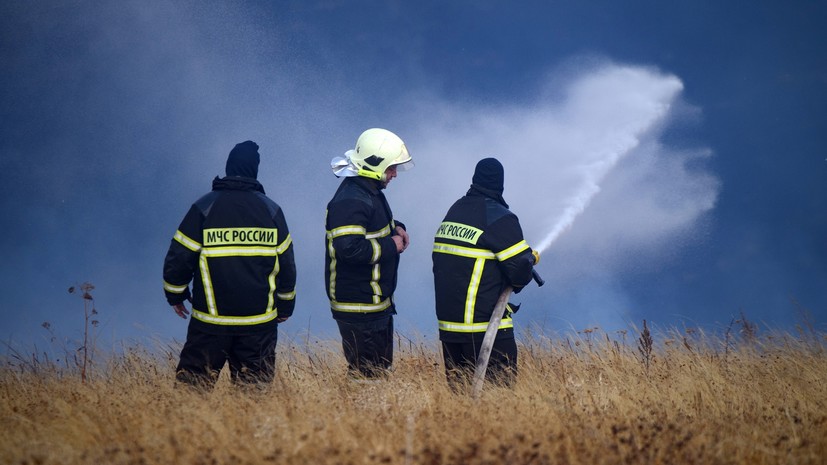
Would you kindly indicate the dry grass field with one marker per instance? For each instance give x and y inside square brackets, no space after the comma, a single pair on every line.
[587,398]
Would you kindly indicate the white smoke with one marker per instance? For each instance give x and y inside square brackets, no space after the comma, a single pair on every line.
[629,107]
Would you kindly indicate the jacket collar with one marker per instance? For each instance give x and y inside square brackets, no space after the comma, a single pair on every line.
[371,185]
[236,183]
[477,190]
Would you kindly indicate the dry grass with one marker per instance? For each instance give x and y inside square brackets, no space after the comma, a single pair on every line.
[580,399]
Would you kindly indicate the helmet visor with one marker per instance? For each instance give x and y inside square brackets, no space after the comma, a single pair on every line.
[404,166]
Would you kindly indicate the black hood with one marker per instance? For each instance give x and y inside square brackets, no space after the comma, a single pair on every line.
[243,160]
[489,174]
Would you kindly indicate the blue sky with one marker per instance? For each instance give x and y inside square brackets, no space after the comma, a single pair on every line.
[681,143]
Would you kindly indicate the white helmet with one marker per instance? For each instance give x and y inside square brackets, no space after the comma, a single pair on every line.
[376,150]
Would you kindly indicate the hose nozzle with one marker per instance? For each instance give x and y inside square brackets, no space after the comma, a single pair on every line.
[535,259]
[537,278]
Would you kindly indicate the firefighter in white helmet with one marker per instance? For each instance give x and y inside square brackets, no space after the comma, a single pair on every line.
[363,244]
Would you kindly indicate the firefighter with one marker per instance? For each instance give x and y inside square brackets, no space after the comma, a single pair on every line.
[234,245]
[363,244]
[478,251]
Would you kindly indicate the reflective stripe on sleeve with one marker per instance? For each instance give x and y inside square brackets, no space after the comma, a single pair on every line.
[175,289]
[286,295]
[345,230]
[381,233]
[186,241]
[284,245]
[512,251]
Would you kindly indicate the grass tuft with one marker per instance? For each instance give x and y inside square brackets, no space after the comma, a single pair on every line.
[588,398]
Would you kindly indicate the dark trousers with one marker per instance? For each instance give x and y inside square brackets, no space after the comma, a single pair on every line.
[461,358]
[252,357]
[368,346]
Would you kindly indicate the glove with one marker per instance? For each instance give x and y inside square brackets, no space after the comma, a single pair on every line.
[536,256]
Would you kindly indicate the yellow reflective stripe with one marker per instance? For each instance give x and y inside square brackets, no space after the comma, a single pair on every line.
[472,327]
[512,251]
[239,252]
[356,229]
[473,287]
[381,233]
[378,304]
[463,251]
[345,230]
[240,236]
[207,281]
[286,295]
[360,307]
[284,245]
[186,241]
[271,281]
[331,286]
[261,238]
[377,251]
[458,232]
[175,289]
[374,283]
[234,320]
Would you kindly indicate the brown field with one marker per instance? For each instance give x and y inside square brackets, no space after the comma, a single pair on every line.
[587,398]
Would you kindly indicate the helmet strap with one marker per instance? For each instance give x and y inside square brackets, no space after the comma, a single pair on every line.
[371,174]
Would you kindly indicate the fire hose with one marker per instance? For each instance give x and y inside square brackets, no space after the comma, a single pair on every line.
[491,334]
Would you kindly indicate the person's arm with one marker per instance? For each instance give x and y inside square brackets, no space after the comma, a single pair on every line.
[402,233]
[286,279]
[347,224]
[512,251]
[182,260]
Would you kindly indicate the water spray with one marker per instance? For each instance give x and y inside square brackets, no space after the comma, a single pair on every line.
[594,174]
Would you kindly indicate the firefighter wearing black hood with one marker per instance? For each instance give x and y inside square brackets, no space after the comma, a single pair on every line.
[235,246]
[363,244]
[479,251]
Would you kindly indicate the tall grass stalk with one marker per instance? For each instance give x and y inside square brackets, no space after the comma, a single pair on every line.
[89,312]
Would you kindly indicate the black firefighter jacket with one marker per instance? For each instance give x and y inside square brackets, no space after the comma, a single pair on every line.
[479,250]
[235,246]
[361,260]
